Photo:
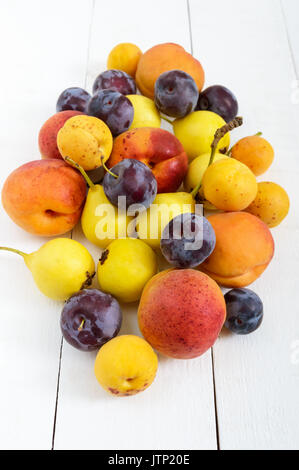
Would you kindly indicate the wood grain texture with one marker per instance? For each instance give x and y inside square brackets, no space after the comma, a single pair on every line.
[177,411]
[40,56]
[256,378]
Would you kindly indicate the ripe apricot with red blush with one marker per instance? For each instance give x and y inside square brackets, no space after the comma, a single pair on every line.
[181,313]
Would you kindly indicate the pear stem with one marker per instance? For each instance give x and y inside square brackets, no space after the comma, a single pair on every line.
[82,171]
[107,169]
[13,250]
[195,190]
[219,134]
[167,120]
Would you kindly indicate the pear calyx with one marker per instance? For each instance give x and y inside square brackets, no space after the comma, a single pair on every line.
[104,256]
[88,280]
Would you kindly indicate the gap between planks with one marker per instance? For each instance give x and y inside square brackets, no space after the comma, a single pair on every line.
[190,27]
[57,394]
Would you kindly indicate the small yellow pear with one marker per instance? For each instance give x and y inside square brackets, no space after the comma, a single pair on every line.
[101,221]
[60,267]
[196,132]
[145,112]
[125,267]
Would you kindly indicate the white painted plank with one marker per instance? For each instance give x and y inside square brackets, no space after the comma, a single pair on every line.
[290,12]
[290,9]
[177,411]
[244,46]
[44,50]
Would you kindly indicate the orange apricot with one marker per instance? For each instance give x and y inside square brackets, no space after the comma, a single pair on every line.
[244,249]
[164,57]
[255,152]
[271,204]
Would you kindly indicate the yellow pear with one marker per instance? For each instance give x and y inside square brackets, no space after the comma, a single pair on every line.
[196,132]
[200,166]
[60,267]
[145,112]
[125,267]
[101,221]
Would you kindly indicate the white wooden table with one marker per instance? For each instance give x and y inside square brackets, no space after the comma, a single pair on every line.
[245,393]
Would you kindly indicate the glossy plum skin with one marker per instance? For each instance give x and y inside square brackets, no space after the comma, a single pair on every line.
[187,229]
[135,181]
[176,93]
[74,98]
[101,317]
[113,108]
[115,80]
[219,100]
[244,311]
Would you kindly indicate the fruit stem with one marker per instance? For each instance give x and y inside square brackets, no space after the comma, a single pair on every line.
[107,169]
[258,134]
[13,250]
[81,325]
[82,171]
[195,190]
[219,134]
[167,120]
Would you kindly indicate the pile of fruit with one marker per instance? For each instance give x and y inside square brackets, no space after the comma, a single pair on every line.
[141,211]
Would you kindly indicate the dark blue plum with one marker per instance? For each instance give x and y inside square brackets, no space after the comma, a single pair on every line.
[244,311]
[113,108]
[135,181]
[115,80]
[176,93]
[89,319]
[74,98]
[219,100]
[187,240]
